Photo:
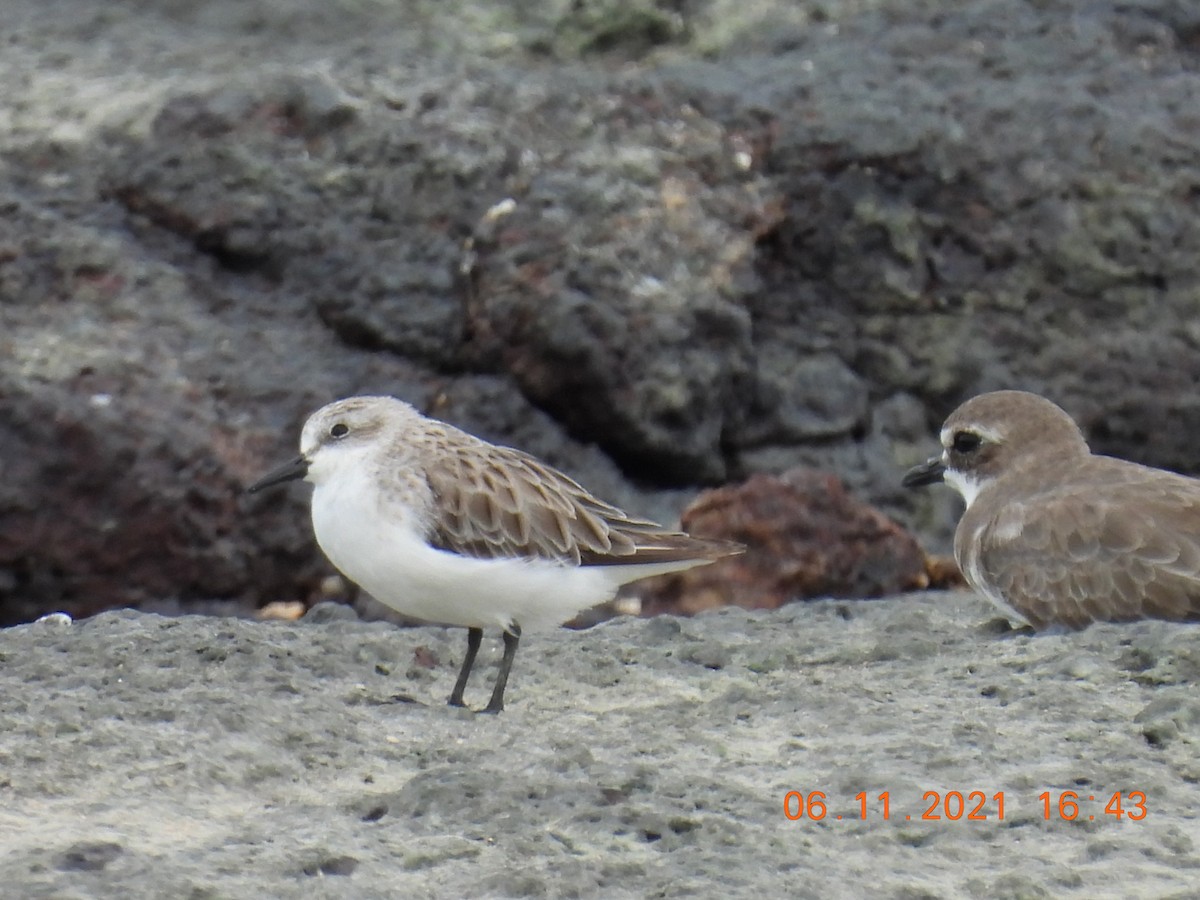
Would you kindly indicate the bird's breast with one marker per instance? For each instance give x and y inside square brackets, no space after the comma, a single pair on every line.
[357,529]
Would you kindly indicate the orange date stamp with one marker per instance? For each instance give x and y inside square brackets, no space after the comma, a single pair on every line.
[970,806]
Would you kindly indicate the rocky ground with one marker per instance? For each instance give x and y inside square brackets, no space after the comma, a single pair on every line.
[663,245]
[145,756]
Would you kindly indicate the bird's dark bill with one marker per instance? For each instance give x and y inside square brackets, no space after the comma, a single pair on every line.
[289,471]
[931,471]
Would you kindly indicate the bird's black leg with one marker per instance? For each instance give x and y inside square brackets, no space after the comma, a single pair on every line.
[511,638]
[474,636]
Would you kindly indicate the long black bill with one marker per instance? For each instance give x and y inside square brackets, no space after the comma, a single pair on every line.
[929,472]
[289,471]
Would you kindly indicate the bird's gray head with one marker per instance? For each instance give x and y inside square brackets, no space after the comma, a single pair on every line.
[996,433]
[342,434]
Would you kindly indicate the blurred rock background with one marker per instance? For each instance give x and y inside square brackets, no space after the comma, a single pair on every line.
[664,245]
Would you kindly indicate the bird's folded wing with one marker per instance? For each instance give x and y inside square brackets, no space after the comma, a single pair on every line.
[1133,553]
[498,502]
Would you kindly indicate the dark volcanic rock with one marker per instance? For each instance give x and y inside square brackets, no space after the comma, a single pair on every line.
[600,283]
[696,240]
[805,537]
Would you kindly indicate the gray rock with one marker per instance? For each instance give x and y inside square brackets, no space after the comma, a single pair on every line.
[775,234]
[633,759]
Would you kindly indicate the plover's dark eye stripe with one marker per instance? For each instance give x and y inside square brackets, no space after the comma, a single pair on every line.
[339,430]
[966,441]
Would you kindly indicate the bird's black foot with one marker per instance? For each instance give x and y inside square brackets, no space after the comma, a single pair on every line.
[512,637]
[474,636]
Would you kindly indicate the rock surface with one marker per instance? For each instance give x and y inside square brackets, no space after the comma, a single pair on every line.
[660,245]
[805,536]
[665,245]
[203,757]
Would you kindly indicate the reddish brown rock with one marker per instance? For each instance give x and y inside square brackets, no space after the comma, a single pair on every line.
[806,537]
[944,573]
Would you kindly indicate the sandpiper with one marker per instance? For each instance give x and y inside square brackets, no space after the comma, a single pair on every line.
[445,527]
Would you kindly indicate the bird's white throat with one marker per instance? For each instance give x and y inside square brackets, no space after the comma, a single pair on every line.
[967,486]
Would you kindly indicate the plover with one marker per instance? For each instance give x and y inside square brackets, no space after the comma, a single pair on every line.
[1056,535]
[445,527]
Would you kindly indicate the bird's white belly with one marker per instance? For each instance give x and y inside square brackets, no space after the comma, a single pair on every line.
[389,558]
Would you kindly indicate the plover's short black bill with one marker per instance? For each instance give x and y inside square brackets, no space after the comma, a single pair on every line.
[445,527]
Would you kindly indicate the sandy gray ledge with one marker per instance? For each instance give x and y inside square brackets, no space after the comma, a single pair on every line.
[201,757]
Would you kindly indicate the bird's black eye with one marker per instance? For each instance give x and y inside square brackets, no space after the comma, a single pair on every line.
[339,430]
[966,442]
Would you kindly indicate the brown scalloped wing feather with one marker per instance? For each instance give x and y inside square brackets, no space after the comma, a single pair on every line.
[1124,551]
[498,502]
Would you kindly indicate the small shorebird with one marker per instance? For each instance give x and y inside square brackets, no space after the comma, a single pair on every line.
[1056,535]
[446,527]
